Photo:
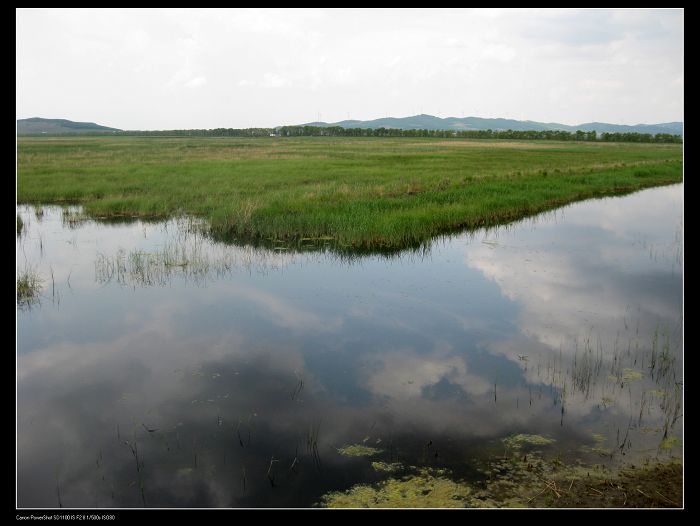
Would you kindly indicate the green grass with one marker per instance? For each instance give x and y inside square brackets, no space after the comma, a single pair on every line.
[28,288]
[364,193]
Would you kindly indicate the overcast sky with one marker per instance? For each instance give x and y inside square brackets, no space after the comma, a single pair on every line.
[162,69]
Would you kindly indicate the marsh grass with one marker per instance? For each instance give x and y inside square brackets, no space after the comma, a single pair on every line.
[29,286]
[635,382]
[73,218]
[185,256]
[365,194]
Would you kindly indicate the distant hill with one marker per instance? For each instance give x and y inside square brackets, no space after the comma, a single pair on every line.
[37,125]
[429,122]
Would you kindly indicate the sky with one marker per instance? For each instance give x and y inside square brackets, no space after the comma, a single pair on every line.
[237,68]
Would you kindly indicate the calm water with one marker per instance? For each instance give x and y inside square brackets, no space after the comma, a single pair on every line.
[159,368]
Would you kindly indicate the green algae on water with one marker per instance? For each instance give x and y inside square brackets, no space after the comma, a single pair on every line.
[387,468]
[598,447]
[426,489]
[630,375]
[528,481]
[358,450]
[669,443]
[520,440]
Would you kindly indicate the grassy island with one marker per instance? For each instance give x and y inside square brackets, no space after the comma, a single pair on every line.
[362,193]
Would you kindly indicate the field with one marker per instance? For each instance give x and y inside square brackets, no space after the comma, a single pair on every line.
[362,193]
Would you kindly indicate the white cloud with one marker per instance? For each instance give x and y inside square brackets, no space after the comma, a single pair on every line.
[196,82]
[404,374]
[567,286]
[273,80]
[569,66]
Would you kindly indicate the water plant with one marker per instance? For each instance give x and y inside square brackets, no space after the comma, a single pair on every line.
[387,467]
[424,489]
[29,285]
[358,450]
[521,482]
[520,441]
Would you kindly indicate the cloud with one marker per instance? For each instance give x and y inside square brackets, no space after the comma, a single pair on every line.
[284,313]
[273,80]
[196,82]
[583,273]
[404,374]
[366,63]
[268,80]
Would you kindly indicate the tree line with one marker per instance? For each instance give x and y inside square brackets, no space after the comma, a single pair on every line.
[338,131]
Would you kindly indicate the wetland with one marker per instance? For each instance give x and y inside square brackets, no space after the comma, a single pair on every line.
[536,364]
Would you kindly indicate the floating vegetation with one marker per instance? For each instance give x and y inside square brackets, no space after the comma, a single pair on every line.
[425,489]
[598,447]
[358,450]
[519,441]
[658,393]
[631,375]
[387,468]
[28,288]
[669,443]
[533,482]
[650,429]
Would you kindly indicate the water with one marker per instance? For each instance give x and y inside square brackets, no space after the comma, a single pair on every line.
[160,368]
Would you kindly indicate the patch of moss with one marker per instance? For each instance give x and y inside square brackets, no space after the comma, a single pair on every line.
[669,443]
[650,430]
[599,446]
[630,375]
[422,490]
[657,392]
[527,480]
[656,486]
[387,468]
[530,481]
[517,442]
[358,450]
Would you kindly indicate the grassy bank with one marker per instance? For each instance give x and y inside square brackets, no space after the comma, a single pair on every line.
[362,193]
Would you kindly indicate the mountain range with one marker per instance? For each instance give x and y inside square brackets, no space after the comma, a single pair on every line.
[430,122]
[37,125]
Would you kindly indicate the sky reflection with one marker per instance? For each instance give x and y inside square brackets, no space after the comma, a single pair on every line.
[228,368]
